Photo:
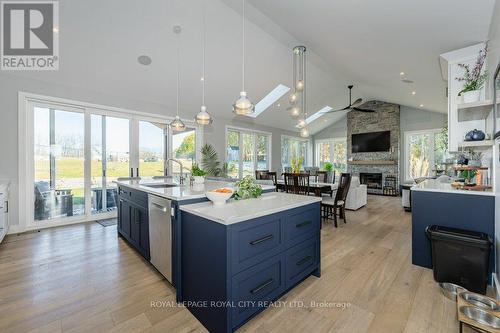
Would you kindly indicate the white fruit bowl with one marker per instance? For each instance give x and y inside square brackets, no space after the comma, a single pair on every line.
[219,198]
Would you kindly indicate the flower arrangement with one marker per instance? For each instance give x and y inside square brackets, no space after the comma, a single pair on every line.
[474,78]
[296,164]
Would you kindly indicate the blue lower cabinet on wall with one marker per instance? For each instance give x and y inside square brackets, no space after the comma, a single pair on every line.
[231,272]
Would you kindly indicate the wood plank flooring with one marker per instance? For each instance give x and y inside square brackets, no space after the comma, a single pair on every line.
[82,278]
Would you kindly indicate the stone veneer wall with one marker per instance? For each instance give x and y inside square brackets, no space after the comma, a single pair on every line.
[386,118]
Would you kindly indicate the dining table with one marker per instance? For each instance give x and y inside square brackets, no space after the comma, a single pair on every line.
[314,187]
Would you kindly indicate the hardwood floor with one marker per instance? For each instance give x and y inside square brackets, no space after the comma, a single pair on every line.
[82,278]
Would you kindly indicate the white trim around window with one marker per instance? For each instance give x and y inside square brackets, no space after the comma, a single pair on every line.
[329,140]
[26,101]
[309,156]
[255,133]
[407,134]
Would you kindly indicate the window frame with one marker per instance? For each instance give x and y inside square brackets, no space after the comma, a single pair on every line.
[432,133]
[254,133]
[26,102]
[308,158]
[332,142]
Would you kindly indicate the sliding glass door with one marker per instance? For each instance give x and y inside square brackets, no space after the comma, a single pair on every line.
[76,154]
[247,151]
[58,163]
[110,159]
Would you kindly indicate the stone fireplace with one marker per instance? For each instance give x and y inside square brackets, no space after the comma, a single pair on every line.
[373,167]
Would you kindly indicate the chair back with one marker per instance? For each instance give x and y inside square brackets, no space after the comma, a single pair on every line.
[323,176]
[297,183]
[343,188]
[260,173]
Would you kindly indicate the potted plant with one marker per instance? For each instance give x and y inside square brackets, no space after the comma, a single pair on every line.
[328,167]
[474,78]
[198,174]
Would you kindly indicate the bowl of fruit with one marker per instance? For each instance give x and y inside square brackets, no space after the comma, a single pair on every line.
[219,196]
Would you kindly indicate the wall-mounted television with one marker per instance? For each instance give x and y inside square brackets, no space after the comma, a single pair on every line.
[371,142]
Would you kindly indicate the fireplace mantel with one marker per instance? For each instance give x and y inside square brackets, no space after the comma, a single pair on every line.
[372,162]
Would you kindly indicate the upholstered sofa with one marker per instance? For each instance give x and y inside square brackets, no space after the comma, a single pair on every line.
[357,195]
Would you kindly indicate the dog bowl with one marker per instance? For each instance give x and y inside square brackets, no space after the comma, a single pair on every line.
[480,316]
[451,290]
[480,301]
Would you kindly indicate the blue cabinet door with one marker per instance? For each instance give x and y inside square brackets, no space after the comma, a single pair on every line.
[255,286]
[301,260]
[302,224]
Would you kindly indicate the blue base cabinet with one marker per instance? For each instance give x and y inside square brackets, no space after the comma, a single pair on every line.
[232,272]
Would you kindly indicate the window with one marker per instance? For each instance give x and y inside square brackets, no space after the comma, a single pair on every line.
[184,149]
[332,151]
[247,151]
[292,147]
[73,152]
[424,152]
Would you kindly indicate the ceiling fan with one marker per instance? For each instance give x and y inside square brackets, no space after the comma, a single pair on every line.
[353,106]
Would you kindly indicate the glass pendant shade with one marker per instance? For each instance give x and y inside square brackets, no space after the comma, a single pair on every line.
[177,125]
[301,123]
[304,132]
[300,85]
[294,112]
[243,106]
[293,99]
[203,117]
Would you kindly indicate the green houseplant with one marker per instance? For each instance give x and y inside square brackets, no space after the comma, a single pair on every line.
[210,162]
[198,174]
[247,188]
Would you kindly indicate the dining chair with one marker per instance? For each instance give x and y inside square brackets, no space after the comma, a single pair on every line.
[329,206]
[297,183]
[323,178]
[259,173]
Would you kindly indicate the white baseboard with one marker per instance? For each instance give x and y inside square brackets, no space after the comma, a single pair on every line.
[15,229]
[496,286]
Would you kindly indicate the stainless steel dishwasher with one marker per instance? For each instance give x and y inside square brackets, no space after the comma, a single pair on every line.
[160,234]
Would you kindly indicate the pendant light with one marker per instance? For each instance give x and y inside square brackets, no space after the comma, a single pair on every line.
[177,125]
[243,106]
[203,117]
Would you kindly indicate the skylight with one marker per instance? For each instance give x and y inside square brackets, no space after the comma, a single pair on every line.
[269,99]
[316,115]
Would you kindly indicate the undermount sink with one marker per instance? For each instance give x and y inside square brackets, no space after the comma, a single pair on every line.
[160,185]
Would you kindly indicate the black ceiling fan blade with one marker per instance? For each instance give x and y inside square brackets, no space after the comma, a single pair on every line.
[363,110]
[357,102]
[343,109]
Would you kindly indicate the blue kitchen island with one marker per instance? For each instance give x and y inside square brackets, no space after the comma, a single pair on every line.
[239,257]
[435,203]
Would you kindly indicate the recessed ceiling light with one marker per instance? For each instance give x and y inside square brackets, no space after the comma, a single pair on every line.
[421,105]
[279,104]
[413,92]
[402,73]
[144,60]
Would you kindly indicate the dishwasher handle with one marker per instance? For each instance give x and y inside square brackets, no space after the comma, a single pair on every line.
[162,208]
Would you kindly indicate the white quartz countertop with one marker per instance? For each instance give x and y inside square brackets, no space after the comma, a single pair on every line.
[434,185]
[178,192]
[235,211]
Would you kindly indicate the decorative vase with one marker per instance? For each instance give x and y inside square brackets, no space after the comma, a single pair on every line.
[199,179]
[474,163]
[475,135]
[471,96]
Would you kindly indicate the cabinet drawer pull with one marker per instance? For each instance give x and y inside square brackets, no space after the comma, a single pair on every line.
[263,239]
[262,286]
[303,224]
[303,260]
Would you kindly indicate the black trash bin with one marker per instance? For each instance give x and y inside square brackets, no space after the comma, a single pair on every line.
[460,256]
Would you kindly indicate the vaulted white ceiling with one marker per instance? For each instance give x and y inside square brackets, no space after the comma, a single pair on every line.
[364,42]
